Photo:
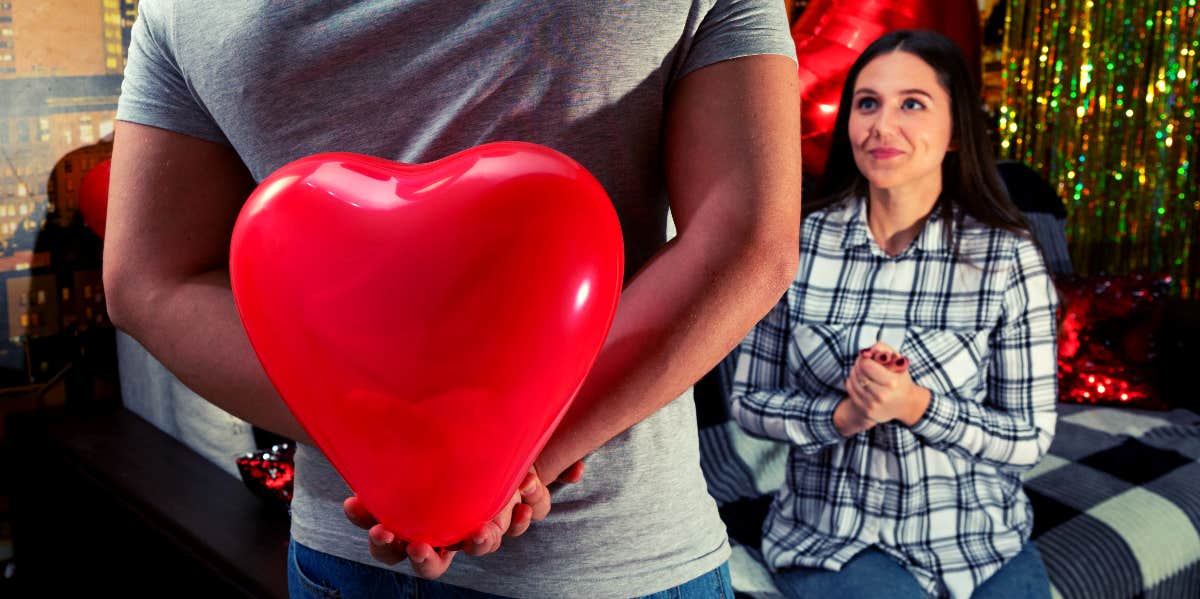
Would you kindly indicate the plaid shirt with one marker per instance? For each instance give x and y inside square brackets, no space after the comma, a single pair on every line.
[944,496]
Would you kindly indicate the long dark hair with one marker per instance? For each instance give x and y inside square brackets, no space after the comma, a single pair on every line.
[970,180]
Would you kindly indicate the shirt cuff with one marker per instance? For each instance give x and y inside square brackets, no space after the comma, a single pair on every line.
[942,421]
[818,427]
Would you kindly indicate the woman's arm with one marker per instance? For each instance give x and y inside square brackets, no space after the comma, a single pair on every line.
[775,397]
[1013,428]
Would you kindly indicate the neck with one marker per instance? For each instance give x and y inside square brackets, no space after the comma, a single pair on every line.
[895,216]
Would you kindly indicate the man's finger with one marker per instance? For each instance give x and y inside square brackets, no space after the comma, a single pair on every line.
[522,516]
[483,541]
[536,496]
[573,474]
[385,547]
[428,563]
[357,513]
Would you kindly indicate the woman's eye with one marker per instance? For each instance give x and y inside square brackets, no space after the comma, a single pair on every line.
[911,104]
[866,104]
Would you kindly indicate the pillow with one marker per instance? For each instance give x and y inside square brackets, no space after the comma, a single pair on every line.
[1107,339]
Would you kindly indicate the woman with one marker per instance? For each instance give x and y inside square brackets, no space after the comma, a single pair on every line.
[906,481]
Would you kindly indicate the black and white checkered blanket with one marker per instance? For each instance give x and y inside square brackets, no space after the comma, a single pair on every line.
[1116,500]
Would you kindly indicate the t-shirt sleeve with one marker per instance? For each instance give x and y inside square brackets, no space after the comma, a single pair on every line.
[155,91]
[737,28]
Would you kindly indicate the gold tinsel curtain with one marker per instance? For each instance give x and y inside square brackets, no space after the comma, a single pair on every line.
[1101,98]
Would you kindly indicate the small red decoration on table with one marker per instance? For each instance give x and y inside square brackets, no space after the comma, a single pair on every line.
[268,472]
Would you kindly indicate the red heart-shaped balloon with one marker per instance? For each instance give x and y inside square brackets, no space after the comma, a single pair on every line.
[429,324]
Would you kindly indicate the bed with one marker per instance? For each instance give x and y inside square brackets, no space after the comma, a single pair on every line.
[1116,501]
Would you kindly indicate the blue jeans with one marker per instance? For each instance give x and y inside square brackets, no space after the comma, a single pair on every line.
[316,575]
[872,573]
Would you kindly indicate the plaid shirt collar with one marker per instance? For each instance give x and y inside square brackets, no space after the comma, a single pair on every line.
[931,238]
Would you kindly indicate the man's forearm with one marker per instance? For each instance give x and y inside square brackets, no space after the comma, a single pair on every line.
[192,327]
[681,314]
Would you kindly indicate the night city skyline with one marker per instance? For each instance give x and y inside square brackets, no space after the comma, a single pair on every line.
[61,65]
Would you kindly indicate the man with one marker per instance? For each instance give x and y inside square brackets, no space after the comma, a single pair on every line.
[692,101]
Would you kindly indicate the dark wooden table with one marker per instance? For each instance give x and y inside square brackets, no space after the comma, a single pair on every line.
[105,501]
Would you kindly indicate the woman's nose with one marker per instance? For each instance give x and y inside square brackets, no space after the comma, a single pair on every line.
[885,122]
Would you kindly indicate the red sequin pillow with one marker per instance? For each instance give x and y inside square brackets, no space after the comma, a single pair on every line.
[1106,345]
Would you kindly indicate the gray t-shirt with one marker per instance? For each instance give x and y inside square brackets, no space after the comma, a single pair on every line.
[417,80]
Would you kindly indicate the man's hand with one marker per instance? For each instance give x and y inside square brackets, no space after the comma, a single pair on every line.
[531,502]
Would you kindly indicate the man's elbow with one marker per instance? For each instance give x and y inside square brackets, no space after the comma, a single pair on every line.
[777,256]
[121,297]
[784,266]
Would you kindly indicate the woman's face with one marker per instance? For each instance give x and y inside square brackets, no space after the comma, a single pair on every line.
[900,124]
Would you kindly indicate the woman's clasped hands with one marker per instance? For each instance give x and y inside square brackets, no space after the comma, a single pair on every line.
[879,389]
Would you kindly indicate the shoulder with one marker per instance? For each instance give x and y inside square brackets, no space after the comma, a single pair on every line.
[984,243]
[828,222]
[1012,263]
[156,16]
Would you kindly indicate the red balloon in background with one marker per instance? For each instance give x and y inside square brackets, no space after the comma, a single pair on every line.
[429,324]
[93,197]
[831,34]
